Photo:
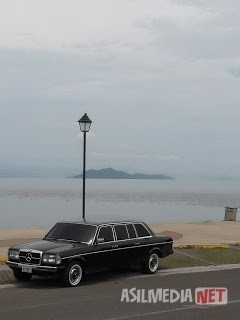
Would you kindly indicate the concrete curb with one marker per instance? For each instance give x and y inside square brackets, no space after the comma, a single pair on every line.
[203,246]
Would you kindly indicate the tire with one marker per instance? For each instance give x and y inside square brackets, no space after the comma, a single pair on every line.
[151,263]
[72,275]
[21,276]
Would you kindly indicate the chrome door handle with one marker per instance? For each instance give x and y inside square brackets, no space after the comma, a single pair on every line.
[114,247]
[137,243]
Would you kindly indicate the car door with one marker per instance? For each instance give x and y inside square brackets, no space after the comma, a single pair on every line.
[102,254]
[132,246]
[123,252]
[141,242]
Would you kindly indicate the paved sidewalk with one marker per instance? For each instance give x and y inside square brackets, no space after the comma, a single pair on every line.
[208,232]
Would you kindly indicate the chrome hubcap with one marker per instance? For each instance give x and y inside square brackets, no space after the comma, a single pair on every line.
[75,274]
[153,262]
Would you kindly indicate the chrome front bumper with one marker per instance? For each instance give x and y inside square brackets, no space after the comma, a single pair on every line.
[34,267]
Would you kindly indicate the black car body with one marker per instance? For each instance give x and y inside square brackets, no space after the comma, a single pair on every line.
[69,249]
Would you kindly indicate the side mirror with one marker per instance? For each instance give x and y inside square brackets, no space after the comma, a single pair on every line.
[100,240]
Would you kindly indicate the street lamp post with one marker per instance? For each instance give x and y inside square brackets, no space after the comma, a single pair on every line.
[85,124]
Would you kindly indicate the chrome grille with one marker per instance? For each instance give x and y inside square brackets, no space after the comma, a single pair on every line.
[30,256]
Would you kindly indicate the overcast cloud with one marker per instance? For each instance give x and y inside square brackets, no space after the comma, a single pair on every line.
[158,78]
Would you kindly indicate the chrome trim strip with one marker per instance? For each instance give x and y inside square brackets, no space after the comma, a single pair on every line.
[147,237]
[135,231]
[119,224]
[127,231]
[131,224]
[143,227]
[98,230]
[107,250]
[102,226]
[114,234]
[33,266]
[93,240]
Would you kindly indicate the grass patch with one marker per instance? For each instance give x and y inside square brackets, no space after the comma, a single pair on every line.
[178,261]
[218,256]
[201,257]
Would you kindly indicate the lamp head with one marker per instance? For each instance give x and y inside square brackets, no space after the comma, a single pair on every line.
[85,123]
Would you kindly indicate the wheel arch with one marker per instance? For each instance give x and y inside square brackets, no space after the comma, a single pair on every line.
[79,259]
[157,250]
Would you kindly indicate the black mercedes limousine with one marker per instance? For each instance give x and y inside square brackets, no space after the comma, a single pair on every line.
[70,249]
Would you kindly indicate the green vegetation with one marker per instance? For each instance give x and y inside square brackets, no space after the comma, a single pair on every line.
[201,257]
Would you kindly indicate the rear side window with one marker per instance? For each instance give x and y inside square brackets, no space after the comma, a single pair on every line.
[141,230]
[106,233]
[121,232]
[131,231]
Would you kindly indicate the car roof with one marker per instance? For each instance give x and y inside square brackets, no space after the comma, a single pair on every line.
[98,223]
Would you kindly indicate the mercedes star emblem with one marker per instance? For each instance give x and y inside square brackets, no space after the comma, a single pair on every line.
[28,257]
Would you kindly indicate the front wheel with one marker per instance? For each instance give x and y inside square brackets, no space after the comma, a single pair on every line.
[151,263]
[72,274]
[21,276]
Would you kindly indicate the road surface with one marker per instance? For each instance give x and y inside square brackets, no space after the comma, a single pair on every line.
[98,298]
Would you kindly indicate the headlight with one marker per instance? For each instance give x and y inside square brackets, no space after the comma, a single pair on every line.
[13,254]
[51,259]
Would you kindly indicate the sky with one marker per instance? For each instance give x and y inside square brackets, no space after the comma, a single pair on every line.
[160,79]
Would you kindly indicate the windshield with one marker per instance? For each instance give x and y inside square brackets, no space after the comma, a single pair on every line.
[72,231]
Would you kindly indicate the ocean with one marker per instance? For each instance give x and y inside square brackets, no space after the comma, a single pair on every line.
[42,202]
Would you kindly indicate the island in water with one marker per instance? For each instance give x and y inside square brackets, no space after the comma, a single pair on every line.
[110,173]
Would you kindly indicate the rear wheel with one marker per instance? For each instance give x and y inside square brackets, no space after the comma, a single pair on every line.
[72,274]
[151,263]
[21,276]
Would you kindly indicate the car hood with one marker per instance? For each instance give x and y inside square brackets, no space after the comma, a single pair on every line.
[49,246]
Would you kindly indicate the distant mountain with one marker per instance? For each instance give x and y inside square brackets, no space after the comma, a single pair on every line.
[110,173]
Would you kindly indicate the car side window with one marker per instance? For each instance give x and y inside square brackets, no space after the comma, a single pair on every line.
[131,231]
[121,232]
[141,230]
[106,233]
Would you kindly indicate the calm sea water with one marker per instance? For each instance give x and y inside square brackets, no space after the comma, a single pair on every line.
[42,202]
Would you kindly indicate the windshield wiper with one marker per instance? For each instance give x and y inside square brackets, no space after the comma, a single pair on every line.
[62,239]
[50,239]
[71,240]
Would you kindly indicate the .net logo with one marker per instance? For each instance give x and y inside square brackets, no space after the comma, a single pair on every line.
[211,296]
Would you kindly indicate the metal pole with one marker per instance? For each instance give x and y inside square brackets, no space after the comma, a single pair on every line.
[84,174]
